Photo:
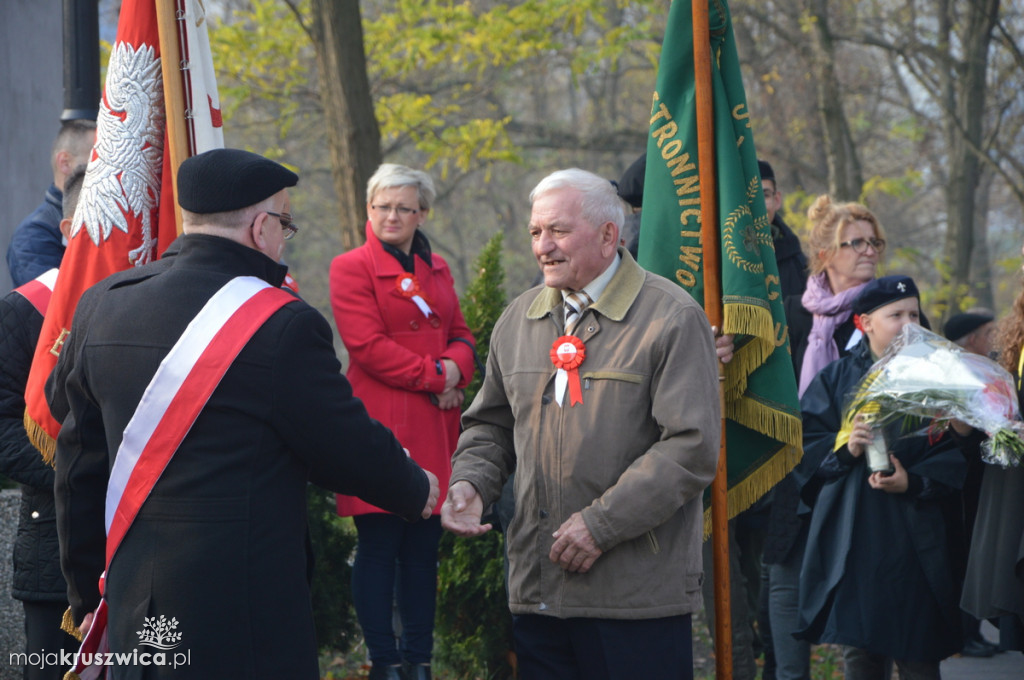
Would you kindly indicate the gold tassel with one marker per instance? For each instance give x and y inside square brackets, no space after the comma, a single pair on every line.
[40,439]
[71,675]
[67,624]
[760,482]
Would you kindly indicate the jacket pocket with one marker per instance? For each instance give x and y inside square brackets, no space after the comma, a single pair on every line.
[612,375]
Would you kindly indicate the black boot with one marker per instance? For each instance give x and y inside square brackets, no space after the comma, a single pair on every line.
[378,672]
[417,671]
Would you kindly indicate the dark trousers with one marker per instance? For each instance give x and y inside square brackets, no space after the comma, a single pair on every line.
[43,635]
[861,664]
[603,649]
[395,556]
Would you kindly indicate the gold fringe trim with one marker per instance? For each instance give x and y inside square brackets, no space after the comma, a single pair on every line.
[40,439]
[755,321]
[67,624]
[748,491]
[762,418]
[71,675]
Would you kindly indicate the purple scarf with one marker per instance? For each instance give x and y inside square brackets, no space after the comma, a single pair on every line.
[830,311]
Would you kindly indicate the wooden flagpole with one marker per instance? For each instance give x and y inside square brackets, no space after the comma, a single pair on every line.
[174,97]
[713,309]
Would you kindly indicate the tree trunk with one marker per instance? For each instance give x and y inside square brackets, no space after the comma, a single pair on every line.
[844,170]
[964,119]
[353,136]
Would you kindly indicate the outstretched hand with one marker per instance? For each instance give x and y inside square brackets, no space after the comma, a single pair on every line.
[462,511]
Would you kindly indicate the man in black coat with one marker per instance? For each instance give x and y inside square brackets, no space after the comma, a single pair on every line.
[37,582]
[788,253]
[217,552]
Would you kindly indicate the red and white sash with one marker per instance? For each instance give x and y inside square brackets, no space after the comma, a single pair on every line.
[169,407]
[39,290]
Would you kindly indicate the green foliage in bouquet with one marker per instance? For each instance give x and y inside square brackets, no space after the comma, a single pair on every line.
[473,629]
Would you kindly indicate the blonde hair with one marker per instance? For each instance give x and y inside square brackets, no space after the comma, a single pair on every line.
[827,220]
[392,175]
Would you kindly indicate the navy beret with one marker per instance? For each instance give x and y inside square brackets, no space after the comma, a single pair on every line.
[222,180]
[765,168]
[962,325]
[631,184]
[882,291]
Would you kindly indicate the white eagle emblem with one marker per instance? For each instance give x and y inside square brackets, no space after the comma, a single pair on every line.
[123,177]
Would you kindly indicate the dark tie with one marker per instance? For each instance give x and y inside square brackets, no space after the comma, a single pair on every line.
[575,303]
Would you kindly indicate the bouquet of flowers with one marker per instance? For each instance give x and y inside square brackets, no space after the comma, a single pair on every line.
[924,375]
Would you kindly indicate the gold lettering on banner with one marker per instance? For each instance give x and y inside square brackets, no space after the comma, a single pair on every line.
[687,181]
[686,278]
[683,217]
[781,334]
[738,113]
[769,281]
[58,344]
[690,256]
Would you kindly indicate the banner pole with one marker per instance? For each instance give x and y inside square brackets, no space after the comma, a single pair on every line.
[167,13]
[713,308]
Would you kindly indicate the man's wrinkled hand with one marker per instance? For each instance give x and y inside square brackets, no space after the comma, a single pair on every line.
[435,493]
[462,511]
[724,346]
[574,548]
[86,624]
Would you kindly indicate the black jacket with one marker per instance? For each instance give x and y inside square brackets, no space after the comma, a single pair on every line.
[37,576]
[878,570]
[219,544]
[790,258]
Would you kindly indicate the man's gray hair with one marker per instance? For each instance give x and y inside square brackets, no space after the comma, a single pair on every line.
[599,202]
[391,175]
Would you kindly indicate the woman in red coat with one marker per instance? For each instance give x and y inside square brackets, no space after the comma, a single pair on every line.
[411,354]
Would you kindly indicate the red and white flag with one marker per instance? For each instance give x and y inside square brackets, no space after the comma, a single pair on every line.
[125,214]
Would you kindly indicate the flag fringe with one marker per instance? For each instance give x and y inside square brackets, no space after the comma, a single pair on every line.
[67,624]
[760,482]
[40,439]
[769,421]
[753,320]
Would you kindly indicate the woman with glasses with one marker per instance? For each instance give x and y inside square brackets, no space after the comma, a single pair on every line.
[846,245]
[411,355]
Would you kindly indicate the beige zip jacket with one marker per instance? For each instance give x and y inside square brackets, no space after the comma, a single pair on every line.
[633,458]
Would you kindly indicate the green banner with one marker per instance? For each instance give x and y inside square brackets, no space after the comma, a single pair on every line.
[763,432]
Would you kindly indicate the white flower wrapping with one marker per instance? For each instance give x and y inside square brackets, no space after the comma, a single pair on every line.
[923,375]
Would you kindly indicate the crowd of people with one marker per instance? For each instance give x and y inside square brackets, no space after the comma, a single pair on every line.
[594,396]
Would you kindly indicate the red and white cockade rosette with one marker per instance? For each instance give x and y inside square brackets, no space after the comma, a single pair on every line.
[409,287]
[567,354]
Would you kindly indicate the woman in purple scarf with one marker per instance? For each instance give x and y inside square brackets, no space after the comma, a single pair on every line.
[846,244]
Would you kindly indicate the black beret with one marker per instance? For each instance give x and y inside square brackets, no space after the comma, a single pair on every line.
[222,180]
[765,168]
[883,291]
[631,184]
[962,325]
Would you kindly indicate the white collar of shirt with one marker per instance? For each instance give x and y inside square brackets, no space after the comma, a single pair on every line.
[597,286]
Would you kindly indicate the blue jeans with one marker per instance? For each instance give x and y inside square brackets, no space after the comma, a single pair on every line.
[393,552]
[792,656]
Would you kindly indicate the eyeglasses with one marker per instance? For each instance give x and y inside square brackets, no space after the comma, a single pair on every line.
[290,228]
[400,210]
[860,245]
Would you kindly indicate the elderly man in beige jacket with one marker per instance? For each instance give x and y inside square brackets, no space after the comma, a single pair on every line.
[601,393]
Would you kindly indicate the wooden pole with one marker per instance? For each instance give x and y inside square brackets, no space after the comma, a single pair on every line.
[713,308]
[167,12]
